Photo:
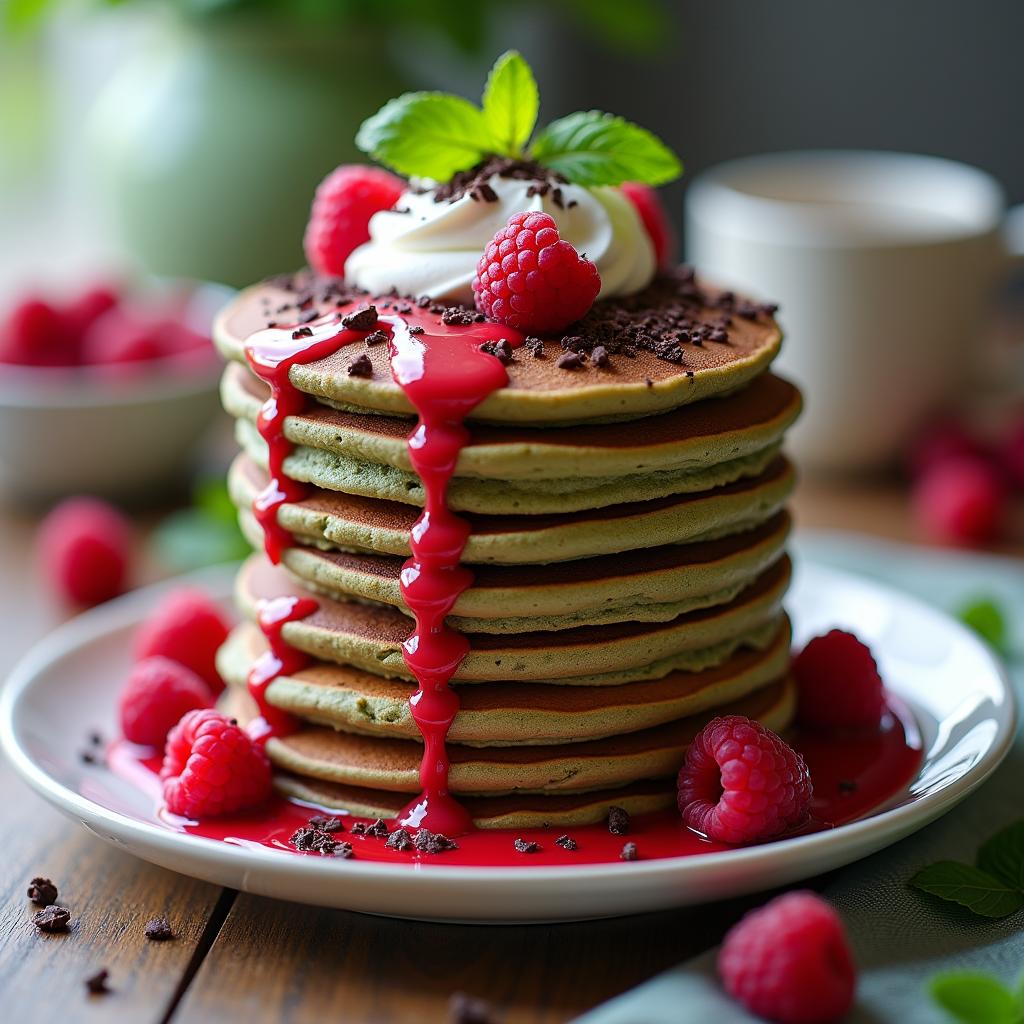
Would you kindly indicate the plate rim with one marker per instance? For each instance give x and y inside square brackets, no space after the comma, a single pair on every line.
[127,609]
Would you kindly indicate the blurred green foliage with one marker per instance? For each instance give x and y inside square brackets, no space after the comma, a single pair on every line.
[636,25]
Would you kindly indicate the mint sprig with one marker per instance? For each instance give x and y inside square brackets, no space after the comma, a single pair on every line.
[435,135]
[992,888]
[975,998]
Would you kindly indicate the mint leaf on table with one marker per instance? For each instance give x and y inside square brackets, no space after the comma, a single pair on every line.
[975,998]
[593,148]
[977,890]
[427,134]
[1002,856]
[511,101]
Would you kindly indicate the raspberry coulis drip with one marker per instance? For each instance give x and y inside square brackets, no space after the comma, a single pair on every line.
[445,375]
[853,774]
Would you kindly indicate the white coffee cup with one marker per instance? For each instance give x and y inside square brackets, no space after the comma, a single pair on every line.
[882,264]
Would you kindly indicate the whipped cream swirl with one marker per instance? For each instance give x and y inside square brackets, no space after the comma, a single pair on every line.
[432,248]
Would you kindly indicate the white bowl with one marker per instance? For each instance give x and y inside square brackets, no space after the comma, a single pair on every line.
[86,430]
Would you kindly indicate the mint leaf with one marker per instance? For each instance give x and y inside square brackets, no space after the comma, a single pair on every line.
[974,998]
[426,134]
[592,148]
[1002,856]
[510,103]
[986,618]
[971,887]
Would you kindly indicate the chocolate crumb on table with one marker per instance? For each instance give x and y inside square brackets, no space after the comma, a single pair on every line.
[618,821]
[42,892]
[464,1009]
[97,983]
[566,843]
[158,929]
[52,919]
[526,846]
[628,852]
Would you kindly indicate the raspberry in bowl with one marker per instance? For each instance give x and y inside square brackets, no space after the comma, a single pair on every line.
[104,391]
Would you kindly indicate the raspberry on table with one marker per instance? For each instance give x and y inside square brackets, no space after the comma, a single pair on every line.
[188,627]
[655,221]
[531,279]
[212,767]
[339,221]
[790,962]
[84,547]
[158,692]
[960,501]
[838,683]
[742,783]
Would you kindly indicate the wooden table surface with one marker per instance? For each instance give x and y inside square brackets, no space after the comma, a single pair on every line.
[241,957]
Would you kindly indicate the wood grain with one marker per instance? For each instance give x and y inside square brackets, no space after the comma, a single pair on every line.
[318,965]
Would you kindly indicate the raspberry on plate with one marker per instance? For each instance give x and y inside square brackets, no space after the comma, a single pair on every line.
[187,627]
[790,962]
[531,279]
[158,692]
[655,221]
[84,549]
[960,501]
[212,767]
[742,783]
[838,683]
[340,218]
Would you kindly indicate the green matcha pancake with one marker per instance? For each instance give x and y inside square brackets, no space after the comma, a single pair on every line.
[501,497]
[693,436]
[370,637]
[515,810]
[650,585]
[660,344]
[506,713]
[394,764]
[356,523]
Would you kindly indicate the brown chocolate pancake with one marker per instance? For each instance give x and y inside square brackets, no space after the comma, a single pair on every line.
[690,436]
[370,637]
[506,713]
[630,385]
[651,585]
[352,522]
[394,764]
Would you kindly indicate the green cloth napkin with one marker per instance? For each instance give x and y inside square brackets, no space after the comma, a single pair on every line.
[901,937]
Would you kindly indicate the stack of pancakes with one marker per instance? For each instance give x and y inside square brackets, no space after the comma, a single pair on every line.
[627,538]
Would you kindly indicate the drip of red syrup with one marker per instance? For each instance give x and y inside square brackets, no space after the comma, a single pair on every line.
[853,775]
[445,374]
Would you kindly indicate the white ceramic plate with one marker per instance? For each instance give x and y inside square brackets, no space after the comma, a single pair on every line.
[960,696]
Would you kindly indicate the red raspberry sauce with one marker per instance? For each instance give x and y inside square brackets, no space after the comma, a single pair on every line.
[445,375]
[853,775]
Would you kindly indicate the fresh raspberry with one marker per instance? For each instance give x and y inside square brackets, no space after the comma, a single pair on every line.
[84,311]
[84,548]
[741,783]
[342,207]
[838,683]
[187,627]
[158,692]
[655,220]
[960,501]
[212,767]
[530,279]
[1011,453]
[941,441]
[119,337]
[790,962]
[36,334]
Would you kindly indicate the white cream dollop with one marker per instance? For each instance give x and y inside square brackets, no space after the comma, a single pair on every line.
[433,248]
